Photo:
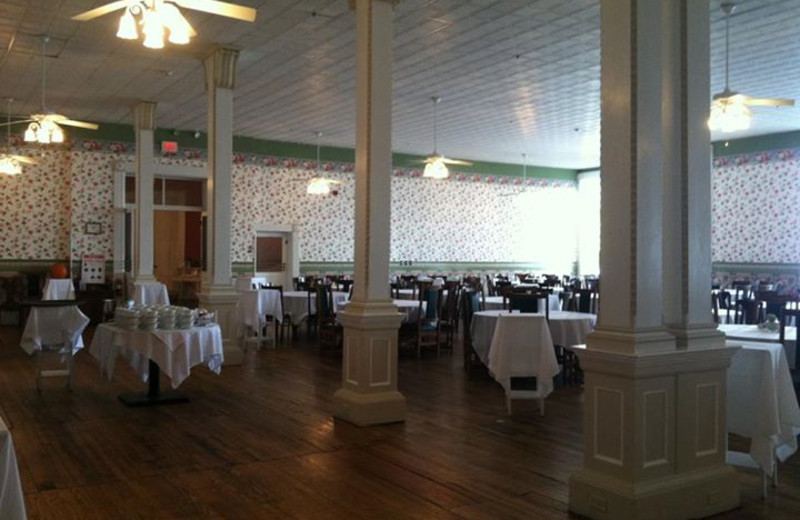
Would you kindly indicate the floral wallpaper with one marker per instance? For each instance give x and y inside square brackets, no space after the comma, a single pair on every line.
[755,201]
[35,209]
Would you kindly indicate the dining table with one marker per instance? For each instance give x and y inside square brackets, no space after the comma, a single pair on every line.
[149,352]
[762,406]
[246,283]
[298,304]
[52,322]
[566,328]
[516,345]
[12,500]
[491,303]
[408,308]
[755,333]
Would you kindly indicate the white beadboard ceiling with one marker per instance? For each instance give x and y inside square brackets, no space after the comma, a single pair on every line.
[515,76]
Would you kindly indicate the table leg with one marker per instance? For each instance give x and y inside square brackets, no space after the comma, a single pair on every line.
[154,396]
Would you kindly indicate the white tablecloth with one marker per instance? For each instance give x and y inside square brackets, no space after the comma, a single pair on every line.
[175,351]
[150,293]
[58,289]
[12,503]
[762,404]
[410,308]
[492,303]
[566,328]
[245,283]
[297,305]
[254,305]
[521,347]
[751,333]
[53,325]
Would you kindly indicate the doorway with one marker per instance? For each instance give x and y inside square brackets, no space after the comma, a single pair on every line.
[177,252]
[271,256]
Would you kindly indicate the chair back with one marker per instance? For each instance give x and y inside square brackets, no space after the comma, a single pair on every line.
[786,316]
[715,306]
[587,301]
[490,286]
[524,302]
[324,302]
[449,307]
[747,311]
[431,296]
[566,298]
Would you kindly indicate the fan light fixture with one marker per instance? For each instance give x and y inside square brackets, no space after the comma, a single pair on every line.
[158,18]
[10,164]
[318,186]
[44,132]
[436,168]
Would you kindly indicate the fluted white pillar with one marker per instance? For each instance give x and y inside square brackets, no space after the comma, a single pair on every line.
[144,120]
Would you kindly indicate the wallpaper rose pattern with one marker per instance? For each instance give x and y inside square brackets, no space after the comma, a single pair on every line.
[465,219]
[755,202]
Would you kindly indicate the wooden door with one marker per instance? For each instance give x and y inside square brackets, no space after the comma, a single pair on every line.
[168,249]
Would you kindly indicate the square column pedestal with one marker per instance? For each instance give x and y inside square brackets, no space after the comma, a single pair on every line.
[369,393]
[655,435]
[222,302]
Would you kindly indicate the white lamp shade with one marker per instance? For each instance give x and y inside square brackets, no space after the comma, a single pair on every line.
[436,169]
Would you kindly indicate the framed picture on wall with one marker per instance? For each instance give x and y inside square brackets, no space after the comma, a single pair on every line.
[93,228]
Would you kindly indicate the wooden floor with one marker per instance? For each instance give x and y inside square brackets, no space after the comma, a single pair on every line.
[258,442]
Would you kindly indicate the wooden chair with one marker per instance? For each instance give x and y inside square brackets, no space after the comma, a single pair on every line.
[470,304]
[530,303]
[285,322]
[427,329]
[490,289]
[567,301]
[448,317]
[588,301]
[748,311]
[715,307]
[329,331]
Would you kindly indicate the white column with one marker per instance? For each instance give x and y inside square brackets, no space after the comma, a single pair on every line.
[687,186]
[369,373]
[654,410]
[217,292]
[144,119]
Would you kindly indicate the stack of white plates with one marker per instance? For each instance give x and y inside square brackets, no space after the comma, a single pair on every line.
[126,318]
[166,318]
[148,319]
[184,318]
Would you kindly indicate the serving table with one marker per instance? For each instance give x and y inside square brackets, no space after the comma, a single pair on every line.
[12,503]
[762,406]
[173,351]
[150,293]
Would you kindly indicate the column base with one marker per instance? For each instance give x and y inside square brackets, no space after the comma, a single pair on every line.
[222,300]
[696,495]
[369,409]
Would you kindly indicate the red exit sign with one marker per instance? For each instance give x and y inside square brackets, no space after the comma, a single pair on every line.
[169,147]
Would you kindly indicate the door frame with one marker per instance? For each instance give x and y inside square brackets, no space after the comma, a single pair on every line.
[291,235]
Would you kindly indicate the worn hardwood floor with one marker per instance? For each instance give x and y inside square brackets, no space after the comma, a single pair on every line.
[259,442]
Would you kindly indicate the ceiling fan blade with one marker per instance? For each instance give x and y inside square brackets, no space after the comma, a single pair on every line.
[239,12]
[456,161]
[18,122]
[23,159]
[100,11]
[329,181]
[79,124]
[770,102]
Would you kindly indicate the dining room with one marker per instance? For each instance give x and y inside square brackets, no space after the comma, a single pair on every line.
[325,220]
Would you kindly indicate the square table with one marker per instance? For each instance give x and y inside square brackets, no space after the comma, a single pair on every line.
[516,345]
[173,351]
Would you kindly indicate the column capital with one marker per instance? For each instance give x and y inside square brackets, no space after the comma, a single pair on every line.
[144,115]
[220,68]
[394,3]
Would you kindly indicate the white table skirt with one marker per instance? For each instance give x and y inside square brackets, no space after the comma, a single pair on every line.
[58,289]
[150,293]
[52,325]
[521,347]
[751,333]
[254,305]
[12,502]
[409,308]
[566,328]
[762,404]
[297,305]
[245,283]
[495,303]
[175,351]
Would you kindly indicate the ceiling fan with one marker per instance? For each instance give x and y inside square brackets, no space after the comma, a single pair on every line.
[436,163]
[44,127]
[318,185]
[524,187]
[158,16]
[729,109]
[10,163]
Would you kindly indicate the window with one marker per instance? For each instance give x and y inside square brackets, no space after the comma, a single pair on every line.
[269,254]
[589,222]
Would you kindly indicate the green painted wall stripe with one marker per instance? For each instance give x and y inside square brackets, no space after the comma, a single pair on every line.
[186,139]
[761,143]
